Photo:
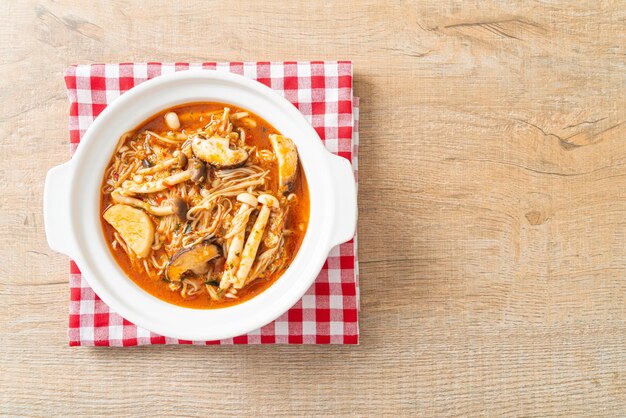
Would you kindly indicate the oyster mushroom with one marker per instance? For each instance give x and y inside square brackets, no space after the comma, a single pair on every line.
[195,259]
[248,255]
[287,157]
[175,206]
[196,171]
[216,151]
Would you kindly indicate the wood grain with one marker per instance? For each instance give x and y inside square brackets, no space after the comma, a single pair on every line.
[492,210]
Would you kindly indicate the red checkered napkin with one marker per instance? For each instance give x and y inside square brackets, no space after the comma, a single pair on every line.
[322,91]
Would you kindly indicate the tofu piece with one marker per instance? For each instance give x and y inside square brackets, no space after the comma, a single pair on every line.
[134,226]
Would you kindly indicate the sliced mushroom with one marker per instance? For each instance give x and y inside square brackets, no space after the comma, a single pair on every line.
[248,255]
[195,259]
[133,225]
[175,206]
[287,157]
[248,122]
[236,244]
[216,151]
[179,208]
[196,171]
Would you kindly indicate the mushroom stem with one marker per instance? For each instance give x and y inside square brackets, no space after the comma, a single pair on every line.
[196,171]
[177,206]
[179,160]
[236,244]
[254,239]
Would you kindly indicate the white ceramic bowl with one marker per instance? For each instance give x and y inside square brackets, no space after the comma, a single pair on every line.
[72,206]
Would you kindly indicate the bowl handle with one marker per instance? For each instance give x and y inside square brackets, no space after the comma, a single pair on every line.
[345,200]
[56,214]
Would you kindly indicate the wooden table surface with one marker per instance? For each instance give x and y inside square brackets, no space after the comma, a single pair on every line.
[492,210]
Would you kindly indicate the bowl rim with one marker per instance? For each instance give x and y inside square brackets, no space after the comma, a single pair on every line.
[318,165]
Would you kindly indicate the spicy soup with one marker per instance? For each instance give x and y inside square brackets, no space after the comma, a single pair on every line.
[204,205]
